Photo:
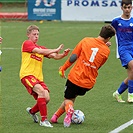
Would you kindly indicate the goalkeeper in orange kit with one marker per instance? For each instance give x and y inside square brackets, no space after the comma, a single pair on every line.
[89,55]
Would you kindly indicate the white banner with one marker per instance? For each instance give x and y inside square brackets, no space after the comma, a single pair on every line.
[90,10]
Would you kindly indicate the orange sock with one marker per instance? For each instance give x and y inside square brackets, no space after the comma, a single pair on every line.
[69,107]
[59,112]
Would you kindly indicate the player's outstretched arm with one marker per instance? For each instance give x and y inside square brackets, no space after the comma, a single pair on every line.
[47,51]
[58,56]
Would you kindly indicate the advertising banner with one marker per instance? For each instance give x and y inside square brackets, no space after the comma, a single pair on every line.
[44,9]
[90,10]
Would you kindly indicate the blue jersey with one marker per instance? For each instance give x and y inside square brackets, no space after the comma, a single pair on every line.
[124,34]
[124,38]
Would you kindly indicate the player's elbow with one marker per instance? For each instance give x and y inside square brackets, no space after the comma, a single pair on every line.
[73,58]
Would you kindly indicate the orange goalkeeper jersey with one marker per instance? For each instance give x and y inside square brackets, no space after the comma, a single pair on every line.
[92,54]
[31,62]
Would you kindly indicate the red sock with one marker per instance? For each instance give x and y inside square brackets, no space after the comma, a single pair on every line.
[34,109]
[42,108]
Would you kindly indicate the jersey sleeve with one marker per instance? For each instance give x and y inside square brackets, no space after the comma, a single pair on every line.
[78,48]
[28,46]
[114,23]
[76,51]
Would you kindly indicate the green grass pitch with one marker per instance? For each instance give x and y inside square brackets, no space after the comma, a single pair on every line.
[102,112]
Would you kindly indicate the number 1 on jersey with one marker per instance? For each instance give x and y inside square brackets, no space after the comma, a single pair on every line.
[94,52]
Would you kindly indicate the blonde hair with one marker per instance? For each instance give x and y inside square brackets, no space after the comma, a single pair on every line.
[32,27]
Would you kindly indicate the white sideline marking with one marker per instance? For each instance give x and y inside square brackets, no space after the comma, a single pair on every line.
[9,48]
[120,128]
[16,48]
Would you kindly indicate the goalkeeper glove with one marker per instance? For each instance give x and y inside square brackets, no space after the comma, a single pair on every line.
[62,72]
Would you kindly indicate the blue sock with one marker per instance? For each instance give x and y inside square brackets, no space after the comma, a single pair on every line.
[130,86]
[122,88]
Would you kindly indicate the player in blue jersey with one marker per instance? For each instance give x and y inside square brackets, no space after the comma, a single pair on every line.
[124,38]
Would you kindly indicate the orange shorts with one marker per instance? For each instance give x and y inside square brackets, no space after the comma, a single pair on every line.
[30,81]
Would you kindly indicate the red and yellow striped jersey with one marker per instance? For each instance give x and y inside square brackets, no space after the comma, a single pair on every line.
[31,62]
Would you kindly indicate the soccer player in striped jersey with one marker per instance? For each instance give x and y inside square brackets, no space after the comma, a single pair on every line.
[124,40]
[1,40]
[89,55]
[31,74]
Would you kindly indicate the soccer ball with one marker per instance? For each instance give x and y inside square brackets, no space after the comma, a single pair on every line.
[78,117]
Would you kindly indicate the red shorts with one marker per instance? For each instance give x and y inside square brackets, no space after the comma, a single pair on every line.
[30,81]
